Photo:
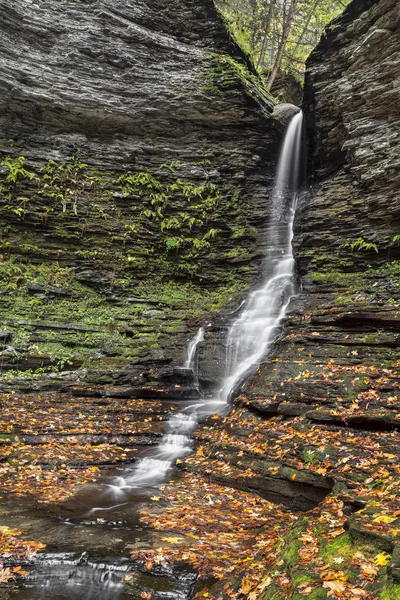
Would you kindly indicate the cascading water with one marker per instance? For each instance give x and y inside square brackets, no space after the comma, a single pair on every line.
[175,443]
[249,340]
[252,334]
[192,348]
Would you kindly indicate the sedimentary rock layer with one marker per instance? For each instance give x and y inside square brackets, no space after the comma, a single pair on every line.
[323,414]
[136,162]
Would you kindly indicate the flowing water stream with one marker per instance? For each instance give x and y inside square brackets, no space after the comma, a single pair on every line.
[116,498]
[192,349]
[252,335]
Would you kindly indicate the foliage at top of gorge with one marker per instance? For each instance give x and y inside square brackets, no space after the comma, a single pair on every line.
[279,34]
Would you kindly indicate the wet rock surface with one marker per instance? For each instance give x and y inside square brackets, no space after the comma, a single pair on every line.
[352,115]
[322,417]
[336,370]
[136,162]
[282,115]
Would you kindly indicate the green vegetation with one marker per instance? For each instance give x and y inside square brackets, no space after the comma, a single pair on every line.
[76,329]
[279,36]
[156,215]
[75,236]
[65,182]
[16,172]
[355,281]
[225,74]
[342,555]
[361,245]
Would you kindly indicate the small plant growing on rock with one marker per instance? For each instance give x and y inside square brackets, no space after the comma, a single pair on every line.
[16,170]
[361,245]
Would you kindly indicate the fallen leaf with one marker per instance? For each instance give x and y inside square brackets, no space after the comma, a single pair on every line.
[382,559]
[384,519]
[246,585]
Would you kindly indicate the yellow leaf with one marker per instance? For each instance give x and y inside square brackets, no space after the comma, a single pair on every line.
[265,583]
[382,559]
[155,498]
[369,570]
[336,533]
[384,519]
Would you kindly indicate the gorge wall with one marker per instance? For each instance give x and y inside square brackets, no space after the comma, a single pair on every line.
[136,162]
[323,415]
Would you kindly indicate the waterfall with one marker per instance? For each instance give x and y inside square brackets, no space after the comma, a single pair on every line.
[250,336]
[175,443]
[192,348]
[253,333]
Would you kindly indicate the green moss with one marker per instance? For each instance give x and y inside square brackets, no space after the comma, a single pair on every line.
[170,224]
[227,74]
[341,547]
[292,543]
[391,592]
[76,219]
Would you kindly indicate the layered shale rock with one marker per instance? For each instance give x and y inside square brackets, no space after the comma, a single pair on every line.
[353,116]
[136,163]
[323,414]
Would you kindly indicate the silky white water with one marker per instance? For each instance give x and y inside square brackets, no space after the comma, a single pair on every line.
[192,349]
[250,336]
[253,333]
[175,443]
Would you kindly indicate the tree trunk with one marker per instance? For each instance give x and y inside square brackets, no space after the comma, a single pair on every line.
[286,26]
[267,27]
[305,28]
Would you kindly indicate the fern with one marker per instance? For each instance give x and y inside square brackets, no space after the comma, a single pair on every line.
[361,245]
[171,166]
[211,234]
[16,170]
[171,223]
[199,244]
[149,214]
[173,243]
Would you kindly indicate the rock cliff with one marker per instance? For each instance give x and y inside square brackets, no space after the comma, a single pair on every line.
[323,415]
[136,159]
